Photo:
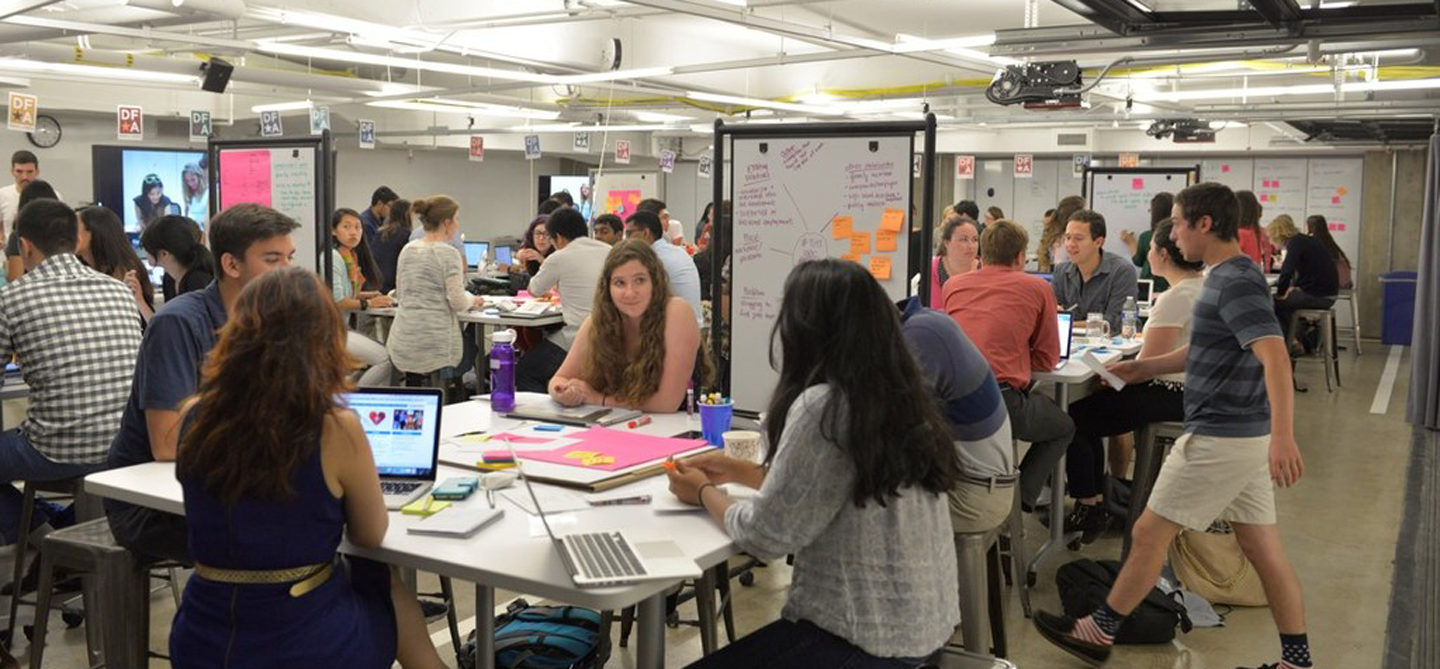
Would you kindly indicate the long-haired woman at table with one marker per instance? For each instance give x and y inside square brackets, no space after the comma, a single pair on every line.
[274,469]
[855,487]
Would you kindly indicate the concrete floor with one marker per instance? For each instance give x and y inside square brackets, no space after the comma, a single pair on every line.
[1339,526]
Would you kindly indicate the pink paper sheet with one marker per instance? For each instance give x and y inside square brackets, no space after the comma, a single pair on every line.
[517,439]
[626,448]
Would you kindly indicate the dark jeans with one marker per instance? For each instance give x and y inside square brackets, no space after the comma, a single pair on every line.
[1036,419]
[533,372]
[19,461]
[1106,414]
[151,533]
[798,645]
[1285,307]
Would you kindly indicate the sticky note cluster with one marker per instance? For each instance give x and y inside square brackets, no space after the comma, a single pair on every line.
[590,458]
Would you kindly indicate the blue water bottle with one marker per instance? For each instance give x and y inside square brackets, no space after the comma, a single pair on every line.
[502,372]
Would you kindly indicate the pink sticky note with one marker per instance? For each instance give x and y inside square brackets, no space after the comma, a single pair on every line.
[518,439]
[1137,184]
[1338,227]
[1335,200]
[1264,197]
[1224,168]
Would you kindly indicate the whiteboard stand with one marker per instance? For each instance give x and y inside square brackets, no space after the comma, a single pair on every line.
[815,174]
[1122,195]
[301,168]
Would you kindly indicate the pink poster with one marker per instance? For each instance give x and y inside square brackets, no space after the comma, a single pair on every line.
[244,177]
[622,203]
[611,450]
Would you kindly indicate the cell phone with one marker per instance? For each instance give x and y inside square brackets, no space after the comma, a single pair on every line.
[457,488]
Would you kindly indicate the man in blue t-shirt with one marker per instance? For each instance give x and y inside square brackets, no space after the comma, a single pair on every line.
[1239,437]
[247,241]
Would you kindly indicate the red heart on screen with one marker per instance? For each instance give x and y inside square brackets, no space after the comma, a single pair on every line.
[377,416]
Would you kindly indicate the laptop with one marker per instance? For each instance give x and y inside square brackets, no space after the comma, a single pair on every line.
[1065,322]
[610,558]
[504,255]
[475,253]
[1144,292]
[403,427]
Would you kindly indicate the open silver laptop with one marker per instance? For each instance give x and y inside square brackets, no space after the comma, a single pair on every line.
[600,559]
[1065,326]
[1144,292]
[403,427]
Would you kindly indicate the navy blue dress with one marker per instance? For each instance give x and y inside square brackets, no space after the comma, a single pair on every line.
[349,621]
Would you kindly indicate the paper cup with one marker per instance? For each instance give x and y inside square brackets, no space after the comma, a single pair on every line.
[715,422]
[743,445]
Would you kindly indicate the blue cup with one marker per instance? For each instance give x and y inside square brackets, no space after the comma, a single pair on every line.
[715,422]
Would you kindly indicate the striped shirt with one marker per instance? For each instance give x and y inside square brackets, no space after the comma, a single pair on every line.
[76,334]
[1224,382]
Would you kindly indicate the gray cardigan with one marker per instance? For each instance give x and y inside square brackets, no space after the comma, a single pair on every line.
[881,577]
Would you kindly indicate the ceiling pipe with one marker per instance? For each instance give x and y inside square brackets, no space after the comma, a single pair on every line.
[230,9]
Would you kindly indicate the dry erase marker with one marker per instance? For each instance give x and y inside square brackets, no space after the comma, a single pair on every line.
[643,420]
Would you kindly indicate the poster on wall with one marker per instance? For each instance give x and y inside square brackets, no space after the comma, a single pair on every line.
[667,161]
[367,134]
[270,125]
[964,167]
[581,142]
[130,122]
[1129,160]
[1078,163]
[23,110]
[1024,165]
[704,168]
[622,152]
[532,147]
[200,126]
[319,120]
[622,203]
[477,149]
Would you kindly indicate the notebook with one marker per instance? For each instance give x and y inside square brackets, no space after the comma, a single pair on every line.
[586,415]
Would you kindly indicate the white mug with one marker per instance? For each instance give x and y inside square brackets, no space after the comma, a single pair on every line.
[1096,326]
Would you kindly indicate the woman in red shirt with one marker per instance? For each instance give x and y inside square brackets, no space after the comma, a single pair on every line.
[1253,241]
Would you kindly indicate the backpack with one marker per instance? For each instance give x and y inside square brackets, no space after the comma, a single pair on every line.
[1083,585]
[546,637]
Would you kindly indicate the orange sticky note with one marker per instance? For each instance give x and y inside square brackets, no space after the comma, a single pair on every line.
[850,256]
[892,220]
[880,267]
[840,227]
[860,243]
[885,240]
[1340,190]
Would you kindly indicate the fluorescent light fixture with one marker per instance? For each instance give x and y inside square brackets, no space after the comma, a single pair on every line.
[758,102]
[281,48]
[283,106]
[95,71]
[911,43]
[1305,89]
[450,106]
[657,117]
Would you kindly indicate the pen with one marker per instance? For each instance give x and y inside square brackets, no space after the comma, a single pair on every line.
[638,499]
[428,502]
[469,434]
[643,420]
[490,496]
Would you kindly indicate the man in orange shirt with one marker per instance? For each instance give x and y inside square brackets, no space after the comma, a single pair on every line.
[1010,316]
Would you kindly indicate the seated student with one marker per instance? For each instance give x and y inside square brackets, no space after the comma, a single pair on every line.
[173,242]
[684,278]
[1108,413]
[1253,241]
[102,245]
[1316,226]
[1024,339]
[854,487]
[971,404]
[393,236]
[33,190]
[430,289]
[1093,281]
[954,255]
[1309,278]
[609,229]
[655,331]
[248,240]
[535,247]
[74,333]
[354,278]
[574,270]
[1140,247]
[275,469]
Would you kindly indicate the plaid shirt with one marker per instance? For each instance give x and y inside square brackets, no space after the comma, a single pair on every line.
[76,334]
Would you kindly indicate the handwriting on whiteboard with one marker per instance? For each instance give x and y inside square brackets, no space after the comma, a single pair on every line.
[797,156]
[872,184]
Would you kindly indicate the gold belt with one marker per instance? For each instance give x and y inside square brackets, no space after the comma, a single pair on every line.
[304,579]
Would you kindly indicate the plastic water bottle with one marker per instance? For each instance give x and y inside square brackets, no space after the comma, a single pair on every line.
[1129,316]
[502,372]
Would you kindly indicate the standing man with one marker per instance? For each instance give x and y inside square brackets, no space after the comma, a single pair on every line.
[645,224]
[248,240]
[374,216]
[1239,441]
[1093,281]
[575,269]
[24,168]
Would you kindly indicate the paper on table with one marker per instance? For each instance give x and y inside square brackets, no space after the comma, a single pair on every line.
[469,445]
[622,447]
[1099,368]
[552,500]
[558,522]
[668,503]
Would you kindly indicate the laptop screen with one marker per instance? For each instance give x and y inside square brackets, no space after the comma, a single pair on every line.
[1066,328]
[1144,290]
[475,253]
[503,255]
[403,426]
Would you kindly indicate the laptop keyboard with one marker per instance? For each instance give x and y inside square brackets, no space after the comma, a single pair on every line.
[604,555]
[399,487]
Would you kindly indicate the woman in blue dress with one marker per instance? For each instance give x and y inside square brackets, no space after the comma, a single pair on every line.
[274,469]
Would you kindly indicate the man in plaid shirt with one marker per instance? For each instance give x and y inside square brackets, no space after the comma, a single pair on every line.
[75,333]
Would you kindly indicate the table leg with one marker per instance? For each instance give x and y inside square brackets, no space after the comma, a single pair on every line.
[650,643]
[484,627]
[1058,538]
[705,608]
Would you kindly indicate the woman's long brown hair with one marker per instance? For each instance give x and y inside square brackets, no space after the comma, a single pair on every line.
[630,379]
[275,374]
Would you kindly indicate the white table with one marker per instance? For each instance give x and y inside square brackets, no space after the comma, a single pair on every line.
[484,319]
[503,554]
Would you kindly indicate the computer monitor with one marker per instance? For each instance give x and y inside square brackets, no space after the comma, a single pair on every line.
[1145,290]
[504,255]
[475,253]
[1065,323]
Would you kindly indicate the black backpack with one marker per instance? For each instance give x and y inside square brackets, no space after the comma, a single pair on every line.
[1083,585]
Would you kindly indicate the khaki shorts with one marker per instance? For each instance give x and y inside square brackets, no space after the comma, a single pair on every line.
[979,508]
[1208,478]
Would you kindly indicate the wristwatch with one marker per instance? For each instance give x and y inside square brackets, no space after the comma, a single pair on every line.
[364,304]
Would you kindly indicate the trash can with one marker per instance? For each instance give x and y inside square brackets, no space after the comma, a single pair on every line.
[1399,307]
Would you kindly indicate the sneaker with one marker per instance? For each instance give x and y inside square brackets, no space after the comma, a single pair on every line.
[433,610]
[1056,630]
[1091,520]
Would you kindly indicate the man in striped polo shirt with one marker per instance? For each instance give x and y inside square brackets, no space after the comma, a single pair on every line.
[1238,444]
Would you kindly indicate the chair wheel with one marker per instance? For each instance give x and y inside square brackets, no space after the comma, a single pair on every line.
[747,579]
[72,619]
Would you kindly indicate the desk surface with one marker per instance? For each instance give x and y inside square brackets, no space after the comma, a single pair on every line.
[501,555]
[487,317]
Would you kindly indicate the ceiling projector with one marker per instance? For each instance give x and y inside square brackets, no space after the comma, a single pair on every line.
[1037,85]
[1184,131]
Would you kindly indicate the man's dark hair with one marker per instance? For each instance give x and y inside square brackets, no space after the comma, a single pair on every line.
[49,225]
[563,197]
[38,189]
[611,221]
[233,231]
[968,208]
[383,195]
[1093,218]
[649,221]
[23,157]
[651,205]
[550,206]
[1215,200]
[567,223]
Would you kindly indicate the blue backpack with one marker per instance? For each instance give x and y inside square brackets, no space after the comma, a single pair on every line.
[548,637]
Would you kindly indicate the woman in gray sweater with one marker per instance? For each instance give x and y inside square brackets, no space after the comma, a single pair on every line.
[855,487]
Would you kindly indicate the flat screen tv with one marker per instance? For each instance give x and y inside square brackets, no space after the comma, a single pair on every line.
[142,184]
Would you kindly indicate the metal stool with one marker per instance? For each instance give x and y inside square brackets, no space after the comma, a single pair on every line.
[977,560]
[87,507]
[1326,320]
[117,593]
[1349,295]
[1019,563]
[1149,455]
